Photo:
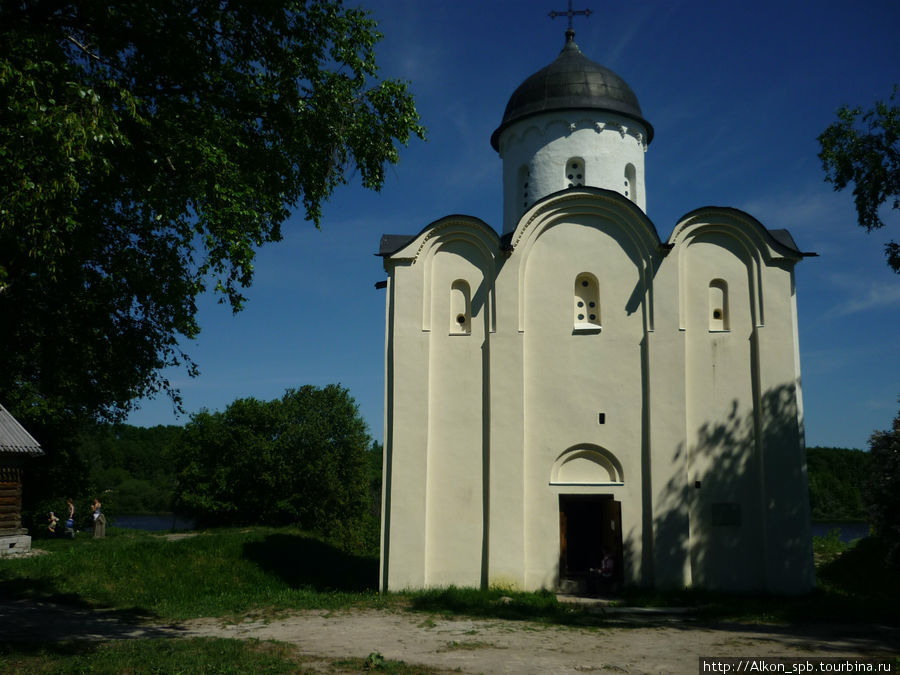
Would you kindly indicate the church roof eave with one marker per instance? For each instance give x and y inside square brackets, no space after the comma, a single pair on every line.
[633,208]
[495,137]
[780,240]
[392,245]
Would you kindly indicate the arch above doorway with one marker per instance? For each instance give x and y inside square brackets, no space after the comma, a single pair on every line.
[587,464]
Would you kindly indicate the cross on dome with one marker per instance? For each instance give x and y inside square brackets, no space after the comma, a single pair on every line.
[571,13]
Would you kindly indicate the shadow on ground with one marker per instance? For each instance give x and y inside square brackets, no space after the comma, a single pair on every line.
[304,562]
[829,621]
[28,620]
[38,590]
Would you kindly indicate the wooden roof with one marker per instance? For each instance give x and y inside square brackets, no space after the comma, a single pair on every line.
[14,438]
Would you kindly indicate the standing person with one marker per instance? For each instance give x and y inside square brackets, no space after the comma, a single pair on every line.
[70,519]
[99,520]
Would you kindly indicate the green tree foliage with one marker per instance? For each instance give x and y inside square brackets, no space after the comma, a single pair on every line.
[882,492]
[147,149]
[836,479]
[128,467]
[133,463]
[374,469]
[863,148]
[301,460]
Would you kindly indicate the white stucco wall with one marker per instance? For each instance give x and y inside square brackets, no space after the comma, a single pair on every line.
[725,510]
[456,423]
[572,377]
[479,424]
[750,515]
[606,143]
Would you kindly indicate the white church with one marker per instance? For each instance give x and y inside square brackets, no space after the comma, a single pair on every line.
[577,387]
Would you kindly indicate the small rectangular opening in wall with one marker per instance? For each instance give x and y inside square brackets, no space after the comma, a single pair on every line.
[601,418]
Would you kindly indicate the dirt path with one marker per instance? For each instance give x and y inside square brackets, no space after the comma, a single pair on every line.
[647,644]
[493,646]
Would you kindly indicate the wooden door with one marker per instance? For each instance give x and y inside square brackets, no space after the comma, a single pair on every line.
[611,533]
[563,549]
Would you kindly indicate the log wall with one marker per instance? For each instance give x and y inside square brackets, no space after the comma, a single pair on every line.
[10,499]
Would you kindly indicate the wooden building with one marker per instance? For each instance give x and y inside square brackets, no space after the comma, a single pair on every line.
[16,445]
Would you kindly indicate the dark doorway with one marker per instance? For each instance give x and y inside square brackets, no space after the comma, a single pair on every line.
[589,525]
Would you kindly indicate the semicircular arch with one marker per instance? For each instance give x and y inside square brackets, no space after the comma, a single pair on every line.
[470,233]
[606,209]
[587,464]
[749,248]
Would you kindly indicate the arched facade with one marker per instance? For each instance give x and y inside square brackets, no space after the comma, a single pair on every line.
[578,387]
[587,464]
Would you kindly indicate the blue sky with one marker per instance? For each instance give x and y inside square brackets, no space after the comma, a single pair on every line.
[737,93]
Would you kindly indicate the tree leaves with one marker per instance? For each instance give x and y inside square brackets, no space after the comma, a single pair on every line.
[863,148]
[301,459]
[147,150]
[882,494]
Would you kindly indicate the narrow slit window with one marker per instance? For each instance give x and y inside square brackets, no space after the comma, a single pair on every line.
[631,183]
[587,303]
[575,172]
[460,308]
[718,305]
[524,187]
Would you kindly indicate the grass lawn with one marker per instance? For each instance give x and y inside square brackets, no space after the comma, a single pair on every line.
[261,571]
[217,573]
[151,656]
[257,569]
[183,655]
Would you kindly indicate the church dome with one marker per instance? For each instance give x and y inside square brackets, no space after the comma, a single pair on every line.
[571,82]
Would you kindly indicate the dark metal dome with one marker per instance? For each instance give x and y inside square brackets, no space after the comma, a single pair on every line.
[571,82]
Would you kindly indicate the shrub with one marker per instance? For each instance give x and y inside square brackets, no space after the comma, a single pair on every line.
[882,492]
[297,460]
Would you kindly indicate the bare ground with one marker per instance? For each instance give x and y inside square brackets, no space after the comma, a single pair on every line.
[636,643]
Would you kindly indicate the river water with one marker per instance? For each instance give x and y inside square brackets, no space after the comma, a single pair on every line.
[849,531]
[154,523]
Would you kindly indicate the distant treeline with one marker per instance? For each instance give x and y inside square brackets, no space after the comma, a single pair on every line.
[134,464]
[837,478]
[135,469]
[131,465]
